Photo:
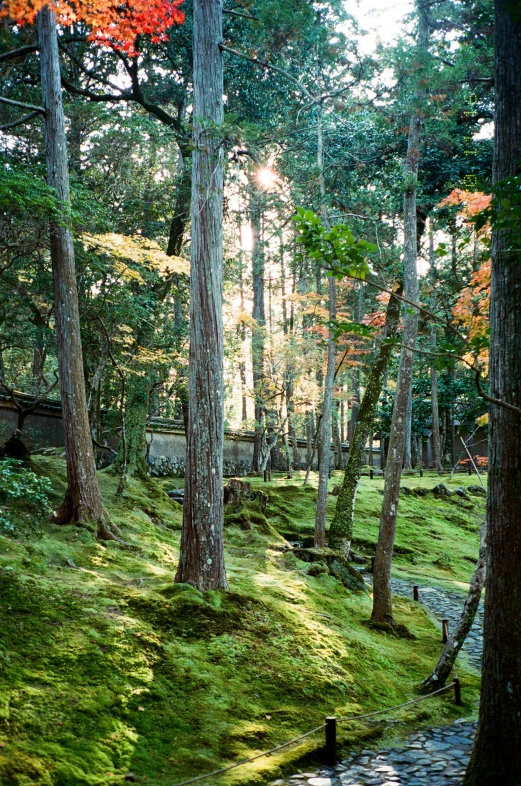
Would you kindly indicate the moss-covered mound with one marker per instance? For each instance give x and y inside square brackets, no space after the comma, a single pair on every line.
[107,667]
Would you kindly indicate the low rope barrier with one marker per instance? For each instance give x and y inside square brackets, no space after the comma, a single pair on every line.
[330,726]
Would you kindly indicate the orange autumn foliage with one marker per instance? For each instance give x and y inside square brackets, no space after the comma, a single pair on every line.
[113,24]
[472,309]
[472,202]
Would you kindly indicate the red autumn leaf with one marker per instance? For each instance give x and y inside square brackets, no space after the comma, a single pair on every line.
[115,25]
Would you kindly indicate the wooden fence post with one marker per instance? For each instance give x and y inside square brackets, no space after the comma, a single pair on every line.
[444,630]
[416,592]
[330,757]
[457,692]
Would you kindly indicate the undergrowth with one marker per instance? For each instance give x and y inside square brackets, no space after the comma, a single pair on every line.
[107,667]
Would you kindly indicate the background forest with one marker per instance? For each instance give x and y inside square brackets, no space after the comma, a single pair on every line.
[272,221]
[294,73]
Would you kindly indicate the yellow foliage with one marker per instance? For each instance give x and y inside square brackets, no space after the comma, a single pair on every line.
[137,249]
[482,420]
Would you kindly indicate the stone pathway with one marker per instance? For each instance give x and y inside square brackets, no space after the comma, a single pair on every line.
[431,757]
[444,604]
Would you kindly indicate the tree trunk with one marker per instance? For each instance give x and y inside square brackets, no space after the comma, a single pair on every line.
[456,640]
[325,426]
[242,334]
[131,457]
[355,407]
[324,454]
[335,426]
[258,334]
[201,561]
[382,600]
[436,441]
[496,757]
[341,530]
[407,451]
[83,499]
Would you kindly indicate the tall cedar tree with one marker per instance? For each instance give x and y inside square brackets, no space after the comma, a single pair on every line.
[83,498]
[202,554]
[113,26]
[496,757]
[382,600]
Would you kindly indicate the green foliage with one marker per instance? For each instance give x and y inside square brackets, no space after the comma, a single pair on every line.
[336,248]
[25,194]
[504,212]
[18,484]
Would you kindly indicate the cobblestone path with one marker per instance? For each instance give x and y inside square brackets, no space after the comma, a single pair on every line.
[431,757]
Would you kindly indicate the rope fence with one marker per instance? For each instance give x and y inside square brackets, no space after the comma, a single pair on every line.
[330,730]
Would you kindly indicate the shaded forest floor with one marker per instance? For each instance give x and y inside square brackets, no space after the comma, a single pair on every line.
[107,667]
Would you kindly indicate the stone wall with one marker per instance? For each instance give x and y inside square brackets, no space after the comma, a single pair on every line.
[166,441]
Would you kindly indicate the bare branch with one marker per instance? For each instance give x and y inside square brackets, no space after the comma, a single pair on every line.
[21,52]
[238,13]
[33,108]
[21,121]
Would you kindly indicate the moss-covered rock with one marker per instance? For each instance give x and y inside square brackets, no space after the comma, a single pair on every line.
[336,564]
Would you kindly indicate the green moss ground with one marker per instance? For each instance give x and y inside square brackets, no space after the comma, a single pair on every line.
[107,667]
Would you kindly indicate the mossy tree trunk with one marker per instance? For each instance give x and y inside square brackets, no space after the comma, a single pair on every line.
[201,561]
[341,529]
[496,757]
[131,457]
[82,501]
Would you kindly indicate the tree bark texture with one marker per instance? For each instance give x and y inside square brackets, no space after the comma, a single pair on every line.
[407,448]
[456,639]
[355,406]
[496,757]
[83,498]
[325,425]
[382,601]
[201,561]
[341,529]
[436,440]
[258,334]
[324,439]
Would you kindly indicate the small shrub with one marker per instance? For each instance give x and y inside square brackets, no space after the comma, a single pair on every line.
[19,485]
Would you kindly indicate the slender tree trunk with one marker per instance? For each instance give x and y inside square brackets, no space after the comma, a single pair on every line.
[242,333]
[341,530]
[201,561]
[335,426]
[258,334]
[496,758]
[359,315]
[83,499]
[436,441]
[407,450]
[325,426]
[382,600]
[456,640]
